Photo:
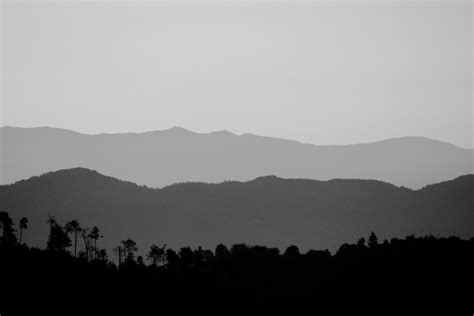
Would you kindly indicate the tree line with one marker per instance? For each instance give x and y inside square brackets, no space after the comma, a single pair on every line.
[425,275]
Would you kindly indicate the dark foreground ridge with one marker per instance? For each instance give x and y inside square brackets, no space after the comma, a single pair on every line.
[415,276]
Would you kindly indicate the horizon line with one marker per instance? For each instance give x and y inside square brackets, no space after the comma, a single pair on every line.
[227,132]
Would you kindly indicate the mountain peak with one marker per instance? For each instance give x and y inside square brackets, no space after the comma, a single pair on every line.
[177,130]
[71,173]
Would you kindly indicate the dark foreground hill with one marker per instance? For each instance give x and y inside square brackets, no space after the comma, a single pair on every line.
[161,158]
[413,276]
[269,211]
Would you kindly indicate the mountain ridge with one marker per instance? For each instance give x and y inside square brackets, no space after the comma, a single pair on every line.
[267,210]
[160,158]
[179,129]
[87,171]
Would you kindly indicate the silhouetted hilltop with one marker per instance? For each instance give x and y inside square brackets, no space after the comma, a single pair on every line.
[74,179]
[161,158]
[268,210]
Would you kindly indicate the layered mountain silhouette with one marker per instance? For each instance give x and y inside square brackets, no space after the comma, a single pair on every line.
[165,157]
[267,210]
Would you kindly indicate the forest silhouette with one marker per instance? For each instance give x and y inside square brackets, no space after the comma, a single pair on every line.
[422,275]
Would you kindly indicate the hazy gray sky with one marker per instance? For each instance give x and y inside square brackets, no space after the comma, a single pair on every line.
[319,72]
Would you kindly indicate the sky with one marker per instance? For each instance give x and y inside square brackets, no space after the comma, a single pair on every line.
[323,72]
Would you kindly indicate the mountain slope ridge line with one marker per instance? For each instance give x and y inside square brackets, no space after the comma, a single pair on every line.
[158,159]
[229,133]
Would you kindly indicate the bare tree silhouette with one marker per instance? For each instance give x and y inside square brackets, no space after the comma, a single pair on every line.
[74,227]
[23,225]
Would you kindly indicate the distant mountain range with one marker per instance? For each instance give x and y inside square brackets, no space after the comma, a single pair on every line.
[161,158]
[267,210]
